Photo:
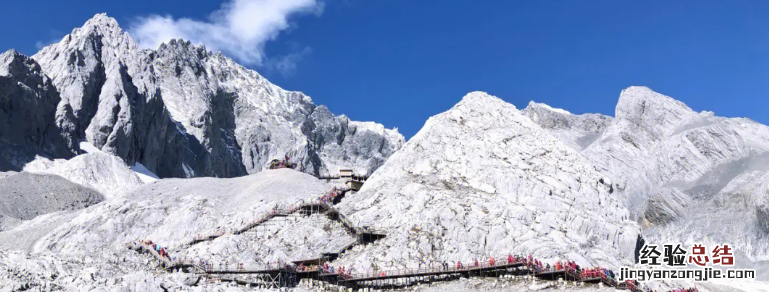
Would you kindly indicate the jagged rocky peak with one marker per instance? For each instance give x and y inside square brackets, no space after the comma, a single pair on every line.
[481,180]
[100,37]
[556,118]
[642,106]
[104,25]
[184,52]
[13,62]
[577,131]
[548,117]
[183,111]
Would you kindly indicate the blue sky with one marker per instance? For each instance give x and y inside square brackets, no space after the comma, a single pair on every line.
[400,62]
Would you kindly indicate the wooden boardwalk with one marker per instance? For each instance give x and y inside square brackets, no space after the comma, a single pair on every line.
[431,272]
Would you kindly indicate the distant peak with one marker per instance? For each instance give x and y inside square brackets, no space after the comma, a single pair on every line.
[642,105]
[100,28]
[12,61]
[480,98]
[10,54]
[635,96]
[102,20]
[102,24]
[533,105]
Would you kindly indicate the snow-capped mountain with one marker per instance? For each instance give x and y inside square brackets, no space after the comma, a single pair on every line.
[686,177]
[183,111]
[481,180]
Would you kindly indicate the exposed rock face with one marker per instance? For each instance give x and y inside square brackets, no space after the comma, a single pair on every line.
[183,111]
[577,131]
[483,180]
[686,176]
[28,103]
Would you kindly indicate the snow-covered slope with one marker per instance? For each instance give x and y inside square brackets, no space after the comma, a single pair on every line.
[687,176]
[24,196]
[86,248]
[174,211]
[183,111]
[483,180]
[103,172]
[283,239]
[20,271]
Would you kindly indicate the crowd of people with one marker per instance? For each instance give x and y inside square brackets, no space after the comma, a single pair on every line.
[285,163]
[330,196]
[161,251]
[683,290]
[596,273]
[539,267]
[341,271]
[309,268]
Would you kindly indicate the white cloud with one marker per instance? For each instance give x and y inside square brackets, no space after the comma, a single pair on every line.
[240,28]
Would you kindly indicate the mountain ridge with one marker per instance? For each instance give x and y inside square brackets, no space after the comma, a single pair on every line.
[685,175]
[183,111]
[482,180]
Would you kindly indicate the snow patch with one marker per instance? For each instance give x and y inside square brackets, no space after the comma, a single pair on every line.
[144,174]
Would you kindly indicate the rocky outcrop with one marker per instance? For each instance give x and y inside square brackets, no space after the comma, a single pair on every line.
[577,131]
[184,111]
[28,107]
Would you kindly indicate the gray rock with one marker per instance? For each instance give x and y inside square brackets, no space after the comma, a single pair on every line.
[28,104]
[25,195]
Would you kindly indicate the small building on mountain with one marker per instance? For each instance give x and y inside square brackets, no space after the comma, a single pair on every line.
[345,173]
[354,185]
